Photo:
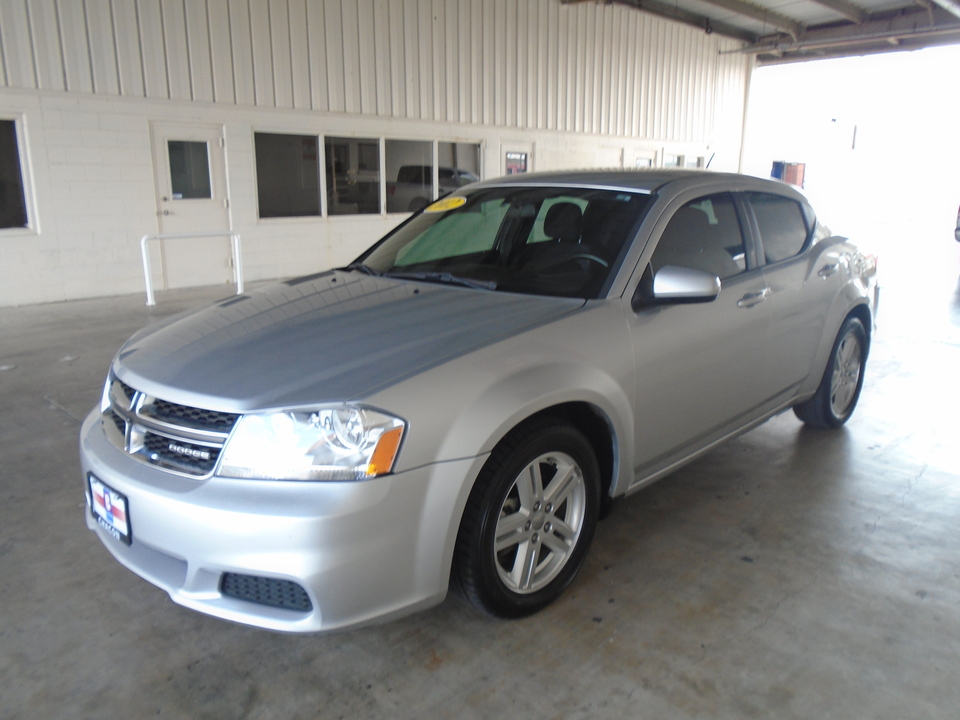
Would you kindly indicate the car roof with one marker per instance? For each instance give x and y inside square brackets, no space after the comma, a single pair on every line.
[645,180]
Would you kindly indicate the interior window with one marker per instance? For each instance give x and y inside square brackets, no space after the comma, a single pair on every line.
[459,165]
[783,230]
[704,235]
[288,175]
[409,168]
[13,208]
[352,168]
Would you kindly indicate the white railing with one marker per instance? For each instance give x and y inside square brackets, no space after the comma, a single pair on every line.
[234,249]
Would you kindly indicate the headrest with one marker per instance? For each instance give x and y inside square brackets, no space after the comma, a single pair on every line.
[563,222]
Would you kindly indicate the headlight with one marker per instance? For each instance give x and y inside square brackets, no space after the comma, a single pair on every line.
[336,443]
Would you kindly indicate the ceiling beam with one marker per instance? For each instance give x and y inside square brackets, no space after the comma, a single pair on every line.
[891,30]
[951,6]
[774,19]
[842,51]
[853,13]
[656,7]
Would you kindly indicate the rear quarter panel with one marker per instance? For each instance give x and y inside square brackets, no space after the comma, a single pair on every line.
[858,288]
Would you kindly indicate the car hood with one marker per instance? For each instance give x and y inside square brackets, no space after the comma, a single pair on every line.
[327,338]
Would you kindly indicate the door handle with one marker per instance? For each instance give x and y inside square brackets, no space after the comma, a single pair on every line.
[828,270]
[751,299]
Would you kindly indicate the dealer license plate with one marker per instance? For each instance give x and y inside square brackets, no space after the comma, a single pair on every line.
[110,509]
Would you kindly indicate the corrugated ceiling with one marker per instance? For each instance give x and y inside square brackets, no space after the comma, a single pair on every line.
[781,31]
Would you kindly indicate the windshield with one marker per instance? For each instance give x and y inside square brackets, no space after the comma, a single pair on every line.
[562,241]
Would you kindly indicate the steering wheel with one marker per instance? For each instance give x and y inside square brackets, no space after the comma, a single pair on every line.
[577,256]
[590,257]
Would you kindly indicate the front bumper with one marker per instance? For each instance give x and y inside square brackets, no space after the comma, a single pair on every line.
[362,551]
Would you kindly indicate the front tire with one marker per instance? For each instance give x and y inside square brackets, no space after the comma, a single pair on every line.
[836,397]
[529,520]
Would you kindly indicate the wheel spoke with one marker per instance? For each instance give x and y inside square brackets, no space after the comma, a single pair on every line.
[509,531]
[556,544]
[836,382]
[561,485]
[846,375]
[562,529]
[524,565]
[530,486]
[851,352]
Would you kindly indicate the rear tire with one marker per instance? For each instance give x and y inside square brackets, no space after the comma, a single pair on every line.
[529,520]
[836,397]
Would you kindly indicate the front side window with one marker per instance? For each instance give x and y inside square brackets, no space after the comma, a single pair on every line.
[783,230]
[558,241]
[13,206]
[705,235]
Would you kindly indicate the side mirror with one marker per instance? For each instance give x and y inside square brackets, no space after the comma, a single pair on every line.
[673,285]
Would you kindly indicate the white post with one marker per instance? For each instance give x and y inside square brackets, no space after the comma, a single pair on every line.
[234,251]
[237,261]
[146,270]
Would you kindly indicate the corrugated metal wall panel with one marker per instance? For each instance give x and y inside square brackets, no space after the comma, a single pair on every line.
[300,54]
[381,33]
[221,56]
[317,54]
[281,63]
[47,55]
[174,29]
[103,47]
[15,44]
[76,53]
[529,64]
[262,53]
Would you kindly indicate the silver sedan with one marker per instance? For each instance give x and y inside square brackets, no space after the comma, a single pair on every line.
[460,404]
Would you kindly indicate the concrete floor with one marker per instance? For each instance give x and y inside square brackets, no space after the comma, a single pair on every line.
[789,574]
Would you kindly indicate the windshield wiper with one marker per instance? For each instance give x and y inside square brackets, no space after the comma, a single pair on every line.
[444,277]
[360,267]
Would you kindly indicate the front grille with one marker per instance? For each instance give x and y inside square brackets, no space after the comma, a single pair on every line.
[118,421]
[180,454]
[180,438]
[191,417]
[266,591]
[128,392]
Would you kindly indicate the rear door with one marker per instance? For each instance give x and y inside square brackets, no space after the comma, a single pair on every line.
[802,283]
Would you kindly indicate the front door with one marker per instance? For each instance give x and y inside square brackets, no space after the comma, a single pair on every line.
[191,186]
[699,367]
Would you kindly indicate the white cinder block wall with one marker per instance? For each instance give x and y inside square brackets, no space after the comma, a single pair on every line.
[577,85]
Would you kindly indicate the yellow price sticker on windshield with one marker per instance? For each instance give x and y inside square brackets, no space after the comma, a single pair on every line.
[448,203]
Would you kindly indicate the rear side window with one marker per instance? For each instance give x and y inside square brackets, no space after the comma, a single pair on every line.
[783,230]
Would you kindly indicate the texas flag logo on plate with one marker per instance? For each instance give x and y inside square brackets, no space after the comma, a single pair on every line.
[110,509]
